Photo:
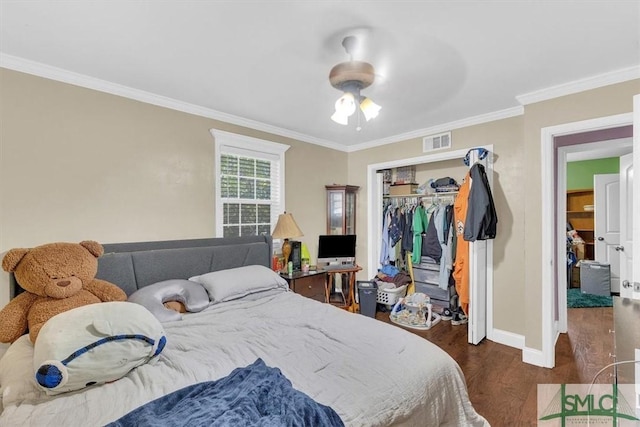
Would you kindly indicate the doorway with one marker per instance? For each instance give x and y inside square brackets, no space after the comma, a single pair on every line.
[555,143]
[606,148]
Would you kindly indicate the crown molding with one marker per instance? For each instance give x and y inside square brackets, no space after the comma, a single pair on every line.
[613,77]
[42,70]
[456,124]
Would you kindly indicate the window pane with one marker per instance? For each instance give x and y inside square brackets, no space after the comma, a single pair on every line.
[248,214]
[263,169]
[248,230]
[264,214]
[247,167]
[263,189]
[231,231]
[231,213]
[264,230]
[228,164]
[247,188]
[229,187]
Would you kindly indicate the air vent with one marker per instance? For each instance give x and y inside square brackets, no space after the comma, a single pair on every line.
[436,142]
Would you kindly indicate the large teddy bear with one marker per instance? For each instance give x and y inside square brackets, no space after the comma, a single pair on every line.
[56,277]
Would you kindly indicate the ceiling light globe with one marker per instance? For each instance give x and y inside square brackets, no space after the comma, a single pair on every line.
[370,109]
[340,118]
[346,104]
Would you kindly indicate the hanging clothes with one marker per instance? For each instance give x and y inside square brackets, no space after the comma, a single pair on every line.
[481,220]
[445,238]
[431,243]
[407,232]
[461,264]
[420,224]
[384,245]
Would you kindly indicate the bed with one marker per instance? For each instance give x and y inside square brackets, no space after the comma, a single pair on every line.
[367,372]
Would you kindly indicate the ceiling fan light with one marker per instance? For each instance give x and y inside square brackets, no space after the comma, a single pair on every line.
[339,118]
[346,105]
[369,108]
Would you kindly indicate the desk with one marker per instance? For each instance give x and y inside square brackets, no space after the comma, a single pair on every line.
[350,301]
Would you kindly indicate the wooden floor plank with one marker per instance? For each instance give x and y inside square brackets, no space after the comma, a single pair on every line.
[504,389]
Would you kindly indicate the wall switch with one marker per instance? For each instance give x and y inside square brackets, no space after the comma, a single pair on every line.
[636,286]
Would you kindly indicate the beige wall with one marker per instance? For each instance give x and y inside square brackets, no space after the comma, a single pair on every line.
[517,298]
[80,164]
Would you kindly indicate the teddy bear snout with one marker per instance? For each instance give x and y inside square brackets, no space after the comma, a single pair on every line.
[64,287]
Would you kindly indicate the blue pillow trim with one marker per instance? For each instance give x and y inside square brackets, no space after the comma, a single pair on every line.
[50,376]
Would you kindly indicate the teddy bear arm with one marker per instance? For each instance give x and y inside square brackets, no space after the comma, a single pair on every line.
[13,317]
[105,291]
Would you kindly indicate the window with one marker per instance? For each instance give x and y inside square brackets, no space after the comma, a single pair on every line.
[249,184]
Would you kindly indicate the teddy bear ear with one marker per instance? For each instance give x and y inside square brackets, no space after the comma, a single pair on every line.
[95,248]
[12,259]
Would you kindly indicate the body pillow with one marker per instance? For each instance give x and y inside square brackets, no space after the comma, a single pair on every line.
[191,294]
[95,344]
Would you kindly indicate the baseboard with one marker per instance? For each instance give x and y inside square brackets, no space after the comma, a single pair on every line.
[533,357]
[507,338]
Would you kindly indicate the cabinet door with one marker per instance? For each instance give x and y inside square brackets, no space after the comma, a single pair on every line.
[335,212]
[350,213]
[311,287]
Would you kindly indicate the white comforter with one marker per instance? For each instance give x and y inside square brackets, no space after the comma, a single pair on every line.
[371,373]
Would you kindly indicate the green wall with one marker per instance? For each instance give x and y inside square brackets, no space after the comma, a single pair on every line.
[580,174]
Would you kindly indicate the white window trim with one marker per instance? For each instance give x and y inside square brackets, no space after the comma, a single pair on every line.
[233,143]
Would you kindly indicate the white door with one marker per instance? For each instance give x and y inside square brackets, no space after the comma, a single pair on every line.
[607,224]
[625,249]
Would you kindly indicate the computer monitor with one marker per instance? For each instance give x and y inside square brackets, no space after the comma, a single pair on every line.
[336,249]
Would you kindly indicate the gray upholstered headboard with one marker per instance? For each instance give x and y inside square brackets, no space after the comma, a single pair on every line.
[135,265]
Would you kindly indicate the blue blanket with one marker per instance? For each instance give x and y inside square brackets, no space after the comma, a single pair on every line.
[256,395]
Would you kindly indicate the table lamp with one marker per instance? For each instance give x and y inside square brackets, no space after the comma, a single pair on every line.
[286,228]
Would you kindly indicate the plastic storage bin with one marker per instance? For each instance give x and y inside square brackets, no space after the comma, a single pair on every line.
[595,278]
[367,293]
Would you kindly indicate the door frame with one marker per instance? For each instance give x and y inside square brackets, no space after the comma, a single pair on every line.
[553,259]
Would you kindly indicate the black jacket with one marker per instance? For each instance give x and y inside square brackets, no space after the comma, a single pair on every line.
[481,220]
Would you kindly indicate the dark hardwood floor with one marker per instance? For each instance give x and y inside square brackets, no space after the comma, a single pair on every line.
[504,389]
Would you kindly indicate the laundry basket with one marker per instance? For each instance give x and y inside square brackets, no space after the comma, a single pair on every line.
[390,297]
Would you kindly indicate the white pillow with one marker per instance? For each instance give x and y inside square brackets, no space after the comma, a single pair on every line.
[17,382]
[191,294]
[233,283]
[95,344]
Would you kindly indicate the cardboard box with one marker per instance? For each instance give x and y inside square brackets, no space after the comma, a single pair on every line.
[403,189]
[578,249]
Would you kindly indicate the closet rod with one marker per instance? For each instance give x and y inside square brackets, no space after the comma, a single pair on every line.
[421,196]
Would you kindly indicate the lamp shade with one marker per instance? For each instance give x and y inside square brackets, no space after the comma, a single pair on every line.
[286,227]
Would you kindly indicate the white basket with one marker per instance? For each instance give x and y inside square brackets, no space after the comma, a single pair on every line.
[391,296]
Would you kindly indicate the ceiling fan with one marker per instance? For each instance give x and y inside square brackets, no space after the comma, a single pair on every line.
[351,77]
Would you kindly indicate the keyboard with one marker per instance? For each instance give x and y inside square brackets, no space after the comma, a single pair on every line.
[331,267]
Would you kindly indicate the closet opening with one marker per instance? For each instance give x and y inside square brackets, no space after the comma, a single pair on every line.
[450,164]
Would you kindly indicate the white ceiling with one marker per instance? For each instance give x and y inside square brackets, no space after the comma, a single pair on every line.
[265,64]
